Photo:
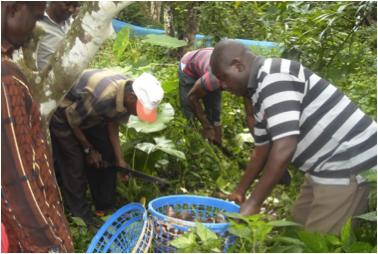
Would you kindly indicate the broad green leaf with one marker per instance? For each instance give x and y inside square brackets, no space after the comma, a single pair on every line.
[168,86]
[121,42]
[165,41]
[165,113]
[315,242]
[374,249]
[368,216]
[360,247]
[182,242]
[232,248]
[204,233]
[222,184]
[291,249]
[347,236]
[105,218]
[125,71]
[162,144]
[255,217]
[79,221]
[334,240]
[282,223]
[236,216]
[285,239]
[370,175]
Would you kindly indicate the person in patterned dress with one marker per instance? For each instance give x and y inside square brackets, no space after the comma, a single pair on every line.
[31,204]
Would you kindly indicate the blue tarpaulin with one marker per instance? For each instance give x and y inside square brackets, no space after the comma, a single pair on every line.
[137,30]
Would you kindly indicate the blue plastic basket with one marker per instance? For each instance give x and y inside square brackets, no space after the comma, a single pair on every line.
[200,207]
[128,230]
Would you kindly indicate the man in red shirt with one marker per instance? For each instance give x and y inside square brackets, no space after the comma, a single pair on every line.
[197,82]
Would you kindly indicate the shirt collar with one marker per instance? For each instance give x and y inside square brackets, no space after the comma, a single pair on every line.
[252,81]
[62,27]
[120,95]
[7,49]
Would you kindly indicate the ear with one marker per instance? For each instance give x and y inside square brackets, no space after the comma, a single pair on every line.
[238,63]
[16,6]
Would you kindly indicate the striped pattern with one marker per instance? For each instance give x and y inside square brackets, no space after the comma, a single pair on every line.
[335,138]
[96,98]
[197,64]
[32,212]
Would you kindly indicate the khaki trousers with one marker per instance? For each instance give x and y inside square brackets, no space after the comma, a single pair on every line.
[326,208]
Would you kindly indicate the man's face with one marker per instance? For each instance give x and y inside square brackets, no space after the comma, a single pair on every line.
[232,78]
[64,9]
[20,23]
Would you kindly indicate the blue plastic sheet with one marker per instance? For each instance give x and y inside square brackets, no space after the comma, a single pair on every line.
[137,31]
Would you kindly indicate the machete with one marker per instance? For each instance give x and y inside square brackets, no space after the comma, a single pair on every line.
[132,173]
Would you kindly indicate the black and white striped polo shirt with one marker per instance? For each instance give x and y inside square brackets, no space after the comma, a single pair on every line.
[335,138]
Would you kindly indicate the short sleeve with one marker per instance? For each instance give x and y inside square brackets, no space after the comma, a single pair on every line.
[210,82]
[281,105]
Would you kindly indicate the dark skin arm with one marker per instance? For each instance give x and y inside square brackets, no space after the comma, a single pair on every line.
[93,157]
[249,115]
[208,132]
[277,162]
[113,133]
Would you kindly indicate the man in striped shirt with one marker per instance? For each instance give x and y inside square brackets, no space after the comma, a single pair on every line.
[197,82]
[312,125]
[84,131]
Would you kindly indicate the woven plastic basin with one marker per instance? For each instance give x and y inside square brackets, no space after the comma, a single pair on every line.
[126,231]
[167,228]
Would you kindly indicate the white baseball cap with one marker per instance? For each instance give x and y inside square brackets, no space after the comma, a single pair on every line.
[149,92]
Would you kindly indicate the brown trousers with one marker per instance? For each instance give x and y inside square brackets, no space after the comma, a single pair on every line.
[326,208]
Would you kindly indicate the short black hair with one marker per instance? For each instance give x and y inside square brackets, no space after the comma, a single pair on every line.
[129,86]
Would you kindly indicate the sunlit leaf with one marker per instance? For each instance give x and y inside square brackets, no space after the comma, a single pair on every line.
[165,41]
[165,113]
[162,144]
[121,42]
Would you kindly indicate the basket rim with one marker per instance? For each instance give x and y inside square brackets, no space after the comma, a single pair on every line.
[188,223]
[116,215]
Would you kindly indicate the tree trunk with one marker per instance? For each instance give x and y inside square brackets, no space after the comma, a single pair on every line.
[89,30]
[169,26]
[155,11]
[192,23]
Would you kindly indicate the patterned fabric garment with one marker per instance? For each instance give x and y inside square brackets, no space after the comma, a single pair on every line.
[197,64]
[335,138]
[96,98]
[31,205]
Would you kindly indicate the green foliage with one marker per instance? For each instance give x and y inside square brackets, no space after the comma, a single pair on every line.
[136,14]
[165,41]
[121,42]
[165,113]
[199,239]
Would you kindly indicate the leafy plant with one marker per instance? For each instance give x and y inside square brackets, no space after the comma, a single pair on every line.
[121,42]
[199,239]
[165,41]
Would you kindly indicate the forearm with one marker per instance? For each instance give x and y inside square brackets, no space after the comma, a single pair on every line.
[197,110]
[278,161]
[113,133]
[79,134]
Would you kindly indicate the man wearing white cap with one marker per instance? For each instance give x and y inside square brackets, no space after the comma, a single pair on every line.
[84,131]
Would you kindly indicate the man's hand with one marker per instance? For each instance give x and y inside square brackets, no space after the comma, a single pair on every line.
[93,158]
[123,177]
[237,198]
[208,133]
[249,208]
